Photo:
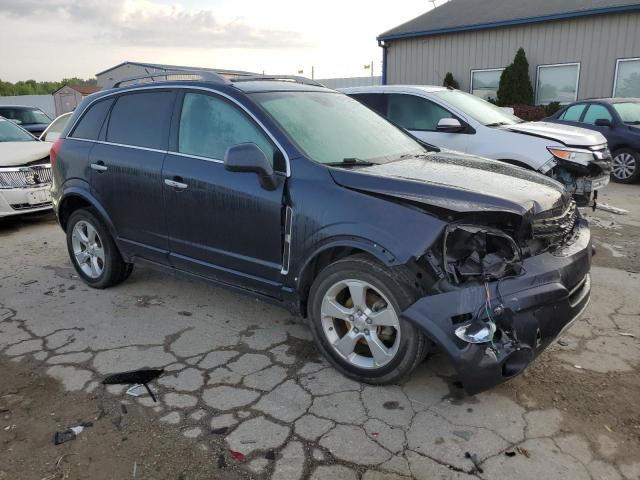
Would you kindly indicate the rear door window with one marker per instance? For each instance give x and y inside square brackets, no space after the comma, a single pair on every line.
[209,125]
[415,113]
[573,113]
[91,122]
[597,112]
[141,119]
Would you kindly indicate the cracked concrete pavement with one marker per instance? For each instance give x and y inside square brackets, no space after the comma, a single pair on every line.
[249,370]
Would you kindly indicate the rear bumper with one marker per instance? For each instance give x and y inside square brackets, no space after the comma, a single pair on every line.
[537,307]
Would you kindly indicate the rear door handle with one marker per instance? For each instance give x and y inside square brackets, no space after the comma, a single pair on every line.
[175,184]
[99,166]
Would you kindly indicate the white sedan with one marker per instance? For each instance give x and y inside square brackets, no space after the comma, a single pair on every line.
[25,171]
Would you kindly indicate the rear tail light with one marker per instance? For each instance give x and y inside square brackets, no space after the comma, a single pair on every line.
[53,153]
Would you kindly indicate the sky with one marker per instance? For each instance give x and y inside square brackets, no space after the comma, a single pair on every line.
[54,39]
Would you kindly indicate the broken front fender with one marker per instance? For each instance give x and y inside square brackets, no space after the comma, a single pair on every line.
[532,309]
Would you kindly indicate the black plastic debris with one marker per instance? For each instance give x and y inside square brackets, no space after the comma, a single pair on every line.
[141,377]
[220,431]
[270,455]
[70,433]
[510,453]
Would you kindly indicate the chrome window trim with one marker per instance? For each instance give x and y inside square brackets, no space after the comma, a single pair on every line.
[551,65]
[181,87]
[615,75]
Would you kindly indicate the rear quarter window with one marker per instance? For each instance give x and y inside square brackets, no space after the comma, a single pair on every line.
[91,122]
[141,119]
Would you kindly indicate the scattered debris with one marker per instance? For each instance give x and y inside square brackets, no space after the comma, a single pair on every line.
[474,459]
[123,408]
[611,209]
[29,282]
[270,455]
[137,377]
[135,469]
[132,390]
[627,334]
[510,453]
[238,455]
[222,462]
[523,451]
[564,343]
[220,431]
[579,367]
[70,434]
[608,428]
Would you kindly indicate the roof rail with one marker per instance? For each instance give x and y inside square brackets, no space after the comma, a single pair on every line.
[290,78]
[216,76]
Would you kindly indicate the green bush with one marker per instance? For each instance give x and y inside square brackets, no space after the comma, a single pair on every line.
[551,108]
[515,85]
[450,82]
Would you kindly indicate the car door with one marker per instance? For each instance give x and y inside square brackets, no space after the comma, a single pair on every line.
[127,170]
[222,224]
[597,111]
[421,116]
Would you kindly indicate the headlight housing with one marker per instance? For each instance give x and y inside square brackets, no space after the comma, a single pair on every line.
[575,155]
[479,252]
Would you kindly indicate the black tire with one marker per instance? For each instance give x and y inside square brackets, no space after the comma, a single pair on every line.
[398,288]
[635,176]
[115,270]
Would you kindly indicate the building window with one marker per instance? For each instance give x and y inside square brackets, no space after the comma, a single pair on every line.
[557,83]
[484,83]
[627,79]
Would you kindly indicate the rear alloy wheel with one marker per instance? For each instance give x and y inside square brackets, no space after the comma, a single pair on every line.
[626,166]
[355,307]
[93,252]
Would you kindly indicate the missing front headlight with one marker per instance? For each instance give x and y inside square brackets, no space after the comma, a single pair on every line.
[479,252]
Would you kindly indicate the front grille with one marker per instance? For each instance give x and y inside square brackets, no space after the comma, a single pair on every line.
[25,177]
[556,229]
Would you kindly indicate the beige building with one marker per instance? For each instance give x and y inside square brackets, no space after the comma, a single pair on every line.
[576,48]
[68,97]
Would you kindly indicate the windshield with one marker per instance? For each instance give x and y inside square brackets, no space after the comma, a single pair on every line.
[480,110]
[24,116]
[629,112]
[11,133]
[332,128]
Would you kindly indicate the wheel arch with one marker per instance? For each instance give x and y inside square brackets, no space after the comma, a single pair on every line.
[328,253]
[76,198]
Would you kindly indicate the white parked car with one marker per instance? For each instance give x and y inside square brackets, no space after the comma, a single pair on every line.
[54,130]
[455,120]
[25,171]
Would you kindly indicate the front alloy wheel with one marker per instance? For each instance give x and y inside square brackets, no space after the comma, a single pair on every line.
[360,324]
[625,168]
[354,310]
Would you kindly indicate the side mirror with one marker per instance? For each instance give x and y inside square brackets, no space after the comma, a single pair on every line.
[603,122]
[449,125]
[247,157]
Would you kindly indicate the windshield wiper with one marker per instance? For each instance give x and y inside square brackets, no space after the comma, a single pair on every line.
[634,122]
[351,161]
[497,124]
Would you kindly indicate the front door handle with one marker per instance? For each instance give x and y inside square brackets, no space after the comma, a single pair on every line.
[175,184]
[99,166]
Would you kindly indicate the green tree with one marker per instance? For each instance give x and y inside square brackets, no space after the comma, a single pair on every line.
[31,87]
[515,85]
[450,82]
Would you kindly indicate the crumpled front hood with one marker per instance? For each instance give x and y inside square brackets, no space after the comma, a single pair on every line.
[458,182]
[14,154]
[566,134]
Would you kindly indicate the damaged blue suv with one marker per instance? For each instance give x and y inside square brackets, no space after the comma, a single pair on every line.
[286,190]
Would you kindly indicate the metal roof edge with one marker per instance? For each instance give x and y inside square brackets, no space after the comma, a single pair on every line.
[515,21]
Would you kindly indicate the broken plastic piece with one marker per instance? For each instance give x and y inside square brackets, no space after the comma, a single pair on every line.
[70,433]
[238,455]
[138,377]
